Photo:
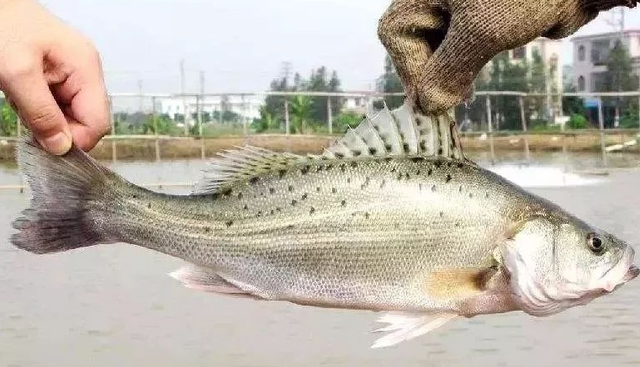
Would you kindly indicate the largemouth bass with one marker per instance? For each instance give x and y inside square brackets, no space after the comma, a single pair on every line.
[391,218]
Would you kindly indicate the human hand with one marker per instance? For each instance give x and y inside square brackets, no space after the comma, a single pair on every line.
[440,46]
[53,77]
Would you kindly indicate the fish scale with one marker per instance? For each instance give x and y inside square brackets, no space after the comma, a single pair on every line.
[391,217]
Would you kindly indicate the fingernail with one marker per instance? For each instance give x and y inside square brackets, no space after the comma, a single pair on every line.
[57,144]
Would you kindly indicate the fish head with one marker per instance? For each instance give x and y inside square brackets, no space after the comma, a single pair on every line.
[558,263]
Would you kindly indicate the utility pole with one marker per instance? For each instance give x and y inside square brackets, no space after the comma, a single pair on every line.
[618,25]
[201,101]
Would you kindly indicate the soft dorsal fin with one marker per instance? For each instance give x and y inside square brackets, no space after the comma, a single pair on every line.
[400,132]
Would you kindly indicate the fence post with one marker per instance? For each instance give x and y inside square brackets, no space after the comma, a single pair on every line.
[155,127]
[524,129]
[114,155]
[244,117]
[202,145]
[490,126]
[329,115]
[286,117]
[602,136]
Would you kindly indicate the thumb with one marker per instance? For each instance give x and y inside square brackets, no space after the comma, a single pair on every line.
[39,110]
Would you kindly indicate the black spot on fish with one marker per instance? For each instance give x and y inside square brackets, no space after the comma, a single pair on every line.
[423,146]
[457,224]
[334,190]
[245,207]
[278,210]
[305,170]
[134,196]
[388,147]
[272,212]
[305,196]
[343,167]
[290,188]
[229,223]
[343,203]
[227,193]
[339,155]
[312,210]
[254,180]
[429,172]
[460,188]
[357,153]
[460,165]
[348,179]
[149,206]
[240,195]
[367,215]
[365,183]
[272,190]
[318,189]
[400,175]
[388,159]
[449,164]
[290,226]
[438,164]
[418,172]
[448,178]
[260,213]
[353,164]
[281,173]
[433,188]
[328,167]
[440,150]
[407,176]
[441,214]
[470,195]
[207,229]
[383,184]
[294,202]
[393,170]
[420,187]
[417,159]
[486,195]
[372,151]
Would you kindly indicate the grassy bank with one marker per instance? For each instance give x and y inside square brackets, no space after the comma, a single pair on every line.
[144,148]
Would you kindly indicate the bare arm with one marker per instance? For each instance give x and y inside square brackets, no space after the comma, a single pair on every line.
[53,77]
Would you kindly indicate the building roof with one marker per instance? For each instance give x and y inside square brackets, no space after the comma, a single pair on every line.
[628,32]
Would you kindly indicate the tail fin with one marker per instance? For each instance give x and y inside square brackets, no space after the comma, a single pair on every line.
[62,189]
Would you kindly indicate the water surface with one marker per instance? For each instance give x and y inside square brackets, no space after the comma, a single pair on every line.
[115,306]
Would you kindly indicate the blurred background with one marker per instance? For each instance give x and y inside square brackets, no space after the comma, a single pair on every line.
[190,78]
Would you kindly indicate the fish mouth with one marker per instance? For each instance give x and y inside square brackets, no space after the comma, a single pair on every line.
[631,274]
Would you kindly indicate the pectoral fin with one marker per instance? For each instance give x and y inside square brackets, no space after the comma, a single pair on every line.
[457,283]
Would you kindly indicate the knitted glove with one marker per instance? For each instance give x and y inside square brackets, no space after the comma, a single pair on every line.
[440,46]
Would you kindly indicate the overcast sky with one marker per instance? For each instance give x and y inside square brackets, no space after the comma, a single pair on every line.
[240,44]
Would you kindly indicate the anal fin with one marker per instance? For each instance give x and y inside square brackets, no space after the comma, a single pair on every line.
[207,280]
[406,326]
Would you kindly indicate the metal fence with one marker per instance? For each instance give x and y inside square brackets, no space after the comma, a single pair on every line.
[203,116]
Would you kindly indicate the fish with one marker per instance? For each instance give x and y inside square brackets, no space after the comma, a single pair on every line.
[391,218]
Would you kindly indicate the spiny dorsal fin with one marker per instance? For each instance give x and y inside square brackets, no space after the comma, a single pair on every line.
[386,133]
[402,131]
[241,164]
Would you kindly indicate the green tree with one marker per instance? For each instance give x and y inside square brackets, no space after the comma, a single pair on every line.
[301,109]
[620,77]
[8,120]
[390,82]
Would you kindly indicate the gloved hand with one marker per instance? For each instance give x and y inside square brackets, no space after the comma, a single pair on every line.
[440,46]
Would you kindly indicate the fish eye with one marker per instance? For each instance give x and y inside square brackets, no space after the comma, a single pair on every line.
[595,244]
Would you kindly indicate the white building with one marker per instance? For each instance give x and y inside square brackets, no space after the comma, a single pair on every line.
[247,107]
[590,54]
[551,53]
